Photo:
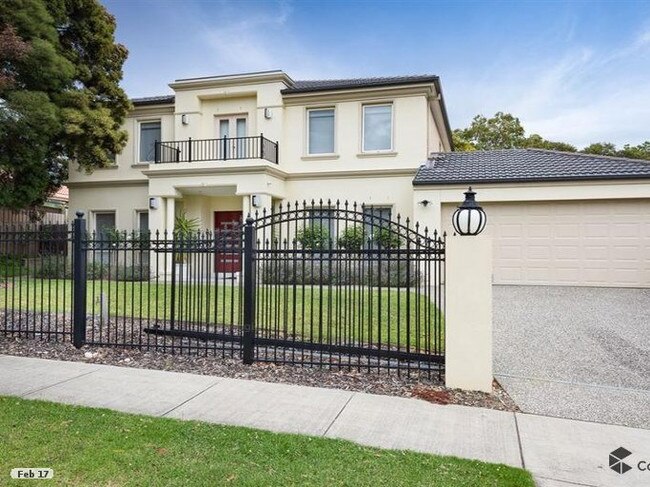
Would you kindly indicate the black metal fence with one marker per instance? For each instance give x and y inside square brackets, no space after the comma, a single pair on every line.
[34,302]
[318,284]
[226,148]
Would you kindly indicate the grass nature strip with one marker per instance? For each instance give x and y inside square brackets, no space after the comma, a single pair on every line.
[88,446]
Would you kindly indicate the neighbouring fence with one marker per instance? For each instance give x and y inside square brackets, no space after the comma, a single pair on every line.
[319,284]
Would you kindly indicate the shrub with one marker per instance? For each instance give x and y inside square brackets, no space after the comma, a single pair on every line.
[132,273]
[314,237]
[352,238]
[340,271]
[53,267]
[11,266]
[388,238]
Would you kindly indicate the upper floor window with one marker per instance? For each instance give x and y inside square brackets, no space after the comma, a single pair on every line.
[149,134]
[377,127]
[321,131]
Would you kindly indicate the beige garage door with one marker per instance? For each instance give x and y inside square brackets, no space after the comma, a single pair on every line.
[595,243]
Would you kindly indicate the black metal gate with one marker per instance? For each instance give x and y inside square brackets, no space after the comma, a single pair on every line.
[343,286]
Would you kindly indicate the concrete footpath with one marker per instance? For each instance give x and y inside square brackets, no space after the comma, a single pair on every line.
[559,452]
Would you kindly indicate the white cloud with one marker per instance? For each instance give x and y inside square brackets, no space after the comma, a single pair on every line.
[581,96]
[263,39]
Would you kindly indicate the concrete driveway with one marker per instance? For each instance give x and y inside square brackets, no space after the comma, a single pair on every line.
[575,352]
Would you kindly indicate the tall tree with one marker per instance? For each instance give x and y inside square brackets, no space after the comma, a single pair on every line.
[641,151]
[60,99]
[505,131]
[601,148]
[461,143]
[502,131]
[536,141]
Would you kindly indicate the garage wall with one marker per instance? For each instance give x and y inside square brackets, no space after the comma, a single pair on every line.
[586,243]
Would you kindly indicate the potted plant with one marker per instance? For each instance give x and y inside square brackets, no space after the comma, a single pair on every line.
[184,230]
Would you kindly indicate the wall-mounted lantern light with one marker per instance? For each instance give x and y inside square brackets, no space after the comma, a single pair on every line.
[255,201]
[185,120]
[469,218]
[268,114]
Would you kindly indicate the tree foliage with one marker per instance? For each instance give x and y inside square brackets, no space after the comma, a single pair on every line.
[601,148]
[60,99]
[536,141]
[505,131]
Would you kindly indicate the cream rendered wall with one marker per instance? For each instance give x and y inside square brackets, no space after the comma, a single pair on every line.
[410,129]
[203,207]
[128,166]
[393,191]
[202,103]
[553,191]
[434,141]
[124,200]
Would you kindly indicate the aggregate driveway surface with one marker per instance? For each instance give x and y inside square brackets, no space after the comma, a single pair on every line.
[575,352]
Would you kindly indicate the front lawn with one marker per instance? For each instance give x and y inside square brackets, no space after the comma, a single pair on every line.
[88,446]
[390,316]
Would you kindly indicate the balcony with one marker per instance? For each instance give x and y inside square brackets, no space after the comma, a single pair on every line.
[225,149]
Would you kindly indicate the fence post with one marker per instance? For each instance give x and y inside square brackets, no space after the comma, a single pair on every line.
[249,291]
[468,318]
[79,282]
[189,149]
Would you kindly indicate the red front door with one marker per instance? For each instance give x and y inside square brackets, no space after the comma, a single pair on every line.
[227,227]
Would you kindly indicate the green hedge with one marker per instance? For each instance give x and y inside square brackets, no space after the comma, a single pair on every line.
[340,272]
[61,268]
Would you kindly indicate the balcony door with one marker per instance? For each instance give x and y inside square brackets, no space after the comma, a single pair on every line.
[231,130]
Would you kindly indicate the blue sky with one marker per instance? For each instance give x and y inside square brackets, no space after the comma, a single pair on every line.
[572,71]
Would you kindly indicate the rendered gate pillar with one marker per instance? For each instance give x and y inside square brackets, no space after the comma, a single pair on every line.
[468,313]
[468,291]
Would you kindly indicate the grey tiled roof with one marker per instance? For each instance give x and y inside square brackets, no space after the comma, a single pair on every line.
[522,165]
[153,100]
[317,85]
[305,86]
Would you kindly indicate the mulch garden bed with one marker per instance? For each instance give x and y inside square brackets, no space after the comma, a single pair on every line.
[428,389]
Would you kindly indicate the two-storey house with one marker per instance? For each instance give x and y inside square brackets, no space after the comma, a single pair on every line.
[223,146]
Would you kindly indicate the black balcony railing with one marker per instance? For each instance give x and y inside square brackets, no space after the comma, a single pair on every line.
[224,149]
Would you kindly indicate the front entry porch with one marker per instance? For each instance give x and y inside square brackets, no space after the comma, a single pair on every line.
[209,213]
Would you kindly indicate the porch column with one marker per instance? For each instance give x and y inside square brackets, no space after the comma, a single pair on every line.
[170,215]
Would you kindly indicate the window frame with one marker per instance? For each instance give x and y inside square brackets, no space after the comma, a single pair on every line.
[371,234]
[307,151]
[139,138]
[138,214]
[97,234]
[363,127]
